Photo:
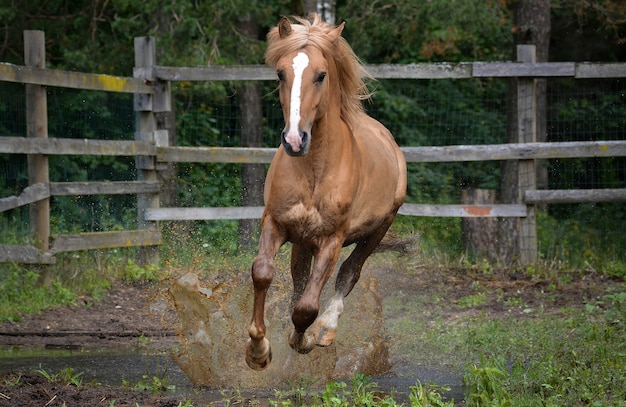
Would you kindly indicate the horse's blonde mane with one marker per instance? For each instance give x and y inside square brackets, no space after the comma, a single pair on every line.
[351,72]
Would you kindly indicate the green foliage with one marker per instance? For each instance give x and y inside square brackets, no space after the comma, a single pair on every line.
[232,396]
[360,392]
[567,356]
[559,361]
[334,394]
[473,300]
[486,387]
[134,273]
[12,379]
[615,313]
[153,384]
[438,30]
[591,239]
[64,377]
[428,396]
[297,394]
[20,293]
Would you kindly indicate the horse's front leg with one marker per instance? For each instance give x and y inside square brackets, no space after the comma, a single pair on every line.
[259,352]
[307,308]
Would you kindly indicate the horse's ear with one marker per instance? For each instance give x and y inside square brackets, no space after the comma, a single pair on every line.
[284,27]
[336,32]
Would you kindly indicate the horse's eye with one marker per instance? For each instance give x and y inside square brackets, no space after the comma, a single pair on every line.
[320,77]
[281,75]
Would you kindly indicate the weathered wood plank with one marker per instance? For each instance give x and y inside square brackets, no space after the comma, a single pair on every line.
[216,154]
[20,145]
[527,69]
[24,255]
[110,83]
[408,71]
[255,212]
[104,240]
[215,73]
[600,70]
[103,188]
[242,212]
[421,71]
[65,146]
[262,72]
[414,154]
[516,151]
[69,79]
[558,196]
[464,211]
[30,194]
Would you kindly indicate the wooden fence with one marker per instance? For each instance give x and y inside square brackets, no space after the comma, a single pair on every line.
[150,85]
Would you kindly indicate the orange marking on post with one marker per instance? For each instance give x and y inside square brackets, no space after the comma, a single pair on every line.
[478,210]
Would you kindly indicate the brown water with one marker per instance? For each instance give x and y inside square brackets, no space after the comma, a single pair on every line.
[213,329]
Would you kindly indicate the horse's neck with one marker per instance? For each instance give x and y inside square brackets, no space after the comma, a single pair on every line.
[331,136]
[329,150]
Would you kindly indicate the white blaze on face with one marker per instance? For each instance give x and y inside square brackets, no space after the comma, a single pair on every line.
[300,62]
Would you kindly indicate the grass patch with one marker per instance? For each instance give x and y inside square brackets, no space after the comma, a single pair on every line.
[574,355]
[20,293]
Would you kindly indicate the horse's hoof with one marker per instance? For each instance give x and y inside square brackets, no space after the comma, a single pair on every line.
[326,337]
[301,343]
[258,357]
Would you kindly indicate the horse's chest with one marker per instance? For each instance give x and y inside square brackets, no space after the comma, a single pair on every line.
[306,221]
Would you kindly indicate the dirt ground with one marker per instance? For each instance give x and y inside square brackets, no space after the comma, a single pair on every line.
[130,311]
[127,312]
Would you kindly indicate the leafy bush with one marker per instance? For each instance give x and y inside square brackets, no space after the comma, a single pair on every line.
[20,292]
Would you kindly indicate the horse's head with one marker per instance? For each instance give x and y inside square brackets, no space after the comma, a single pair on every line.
[305,76]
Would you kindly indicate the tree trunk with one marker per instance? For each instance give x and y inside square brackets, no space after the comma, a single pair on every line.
[532,26]
[532,21]
[480,235]
[252,175]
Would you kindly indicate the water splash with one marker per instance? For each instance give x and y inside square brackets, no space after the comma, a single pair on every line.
[213,322]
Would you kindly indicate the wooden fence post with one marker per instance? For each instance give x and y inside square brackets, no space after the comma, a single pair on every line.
[480,234]
[527,177]
[146,130]
[37,127]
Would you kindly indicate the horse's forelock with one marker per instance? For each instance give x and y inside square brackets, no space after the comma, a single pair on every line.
[350,70]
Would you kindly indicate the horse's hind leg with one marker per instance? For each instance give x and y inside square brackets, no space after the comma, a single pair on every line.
[258,352]
[348,275]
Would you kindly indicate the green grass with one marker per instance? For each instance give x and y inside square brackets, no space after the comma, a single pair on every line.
[571,356]
[89,273]
[20,293]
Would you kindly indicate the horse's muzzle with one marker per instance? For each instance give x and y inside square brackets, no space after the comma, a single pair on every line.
[292,147]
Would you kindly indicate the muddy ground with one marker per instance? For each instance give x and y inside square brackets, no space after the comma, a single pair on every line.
[129,313]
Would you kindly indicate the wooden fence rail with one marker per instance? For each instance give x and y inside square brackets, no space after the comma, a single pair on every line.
[151,83]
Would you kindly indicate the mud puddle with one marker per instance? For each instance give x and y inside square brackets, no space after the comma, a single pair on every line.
[208,364]
[108,367]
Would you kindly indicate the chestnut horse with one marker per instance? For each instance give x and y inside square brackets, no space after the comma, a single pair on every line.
[337,179]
